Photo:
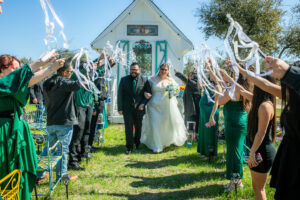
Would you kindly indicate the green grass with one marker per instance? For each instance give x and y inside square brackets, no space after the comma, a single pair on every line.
[177,173]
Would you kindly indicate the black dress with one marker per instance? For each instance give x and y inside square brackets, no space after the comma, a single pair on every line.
[286,168]
[267,152]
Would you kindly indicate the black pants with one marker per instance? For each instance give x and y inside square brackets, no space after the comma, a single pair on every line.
[196,103]
[81,133]
[99,110]
[135,118]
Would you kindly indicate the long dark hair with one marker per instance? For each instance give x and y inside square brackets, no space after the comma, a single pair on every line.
[259,96]
[289,104]
[245,84]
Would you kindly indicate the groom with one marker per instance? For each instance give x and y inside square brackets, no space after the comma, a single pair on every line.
[131,104]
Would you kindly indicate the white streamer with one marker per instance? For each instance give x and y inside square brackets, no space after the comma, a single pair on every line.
[245,42]
[85,81]
[50,26]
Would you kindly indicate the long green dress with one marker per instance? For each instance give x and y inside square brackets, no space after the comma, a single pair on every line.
[235,118]
[17,149]
[207,137]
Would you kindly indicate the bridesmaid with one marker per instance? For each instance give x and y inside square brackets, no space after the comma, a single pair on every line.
[17,149]
[235,120]
[207,137]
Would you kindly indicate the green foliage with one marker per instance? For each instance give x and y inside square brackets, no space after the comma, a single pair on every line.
[290,41]
[189,67]
[25,60]
[290,38]
[259,18]
[66,53]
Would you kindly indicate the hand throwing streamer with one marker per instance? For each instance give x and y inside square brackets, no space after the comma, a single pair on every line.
[200,62]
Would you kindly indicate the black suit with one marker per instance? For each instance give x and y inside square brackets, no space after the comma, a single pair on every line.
[128,102]
[191,98]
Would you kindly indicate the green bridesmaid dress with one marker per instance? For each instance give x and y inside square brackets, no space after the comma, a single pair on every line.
[207,137]
[235,119]
[17,150]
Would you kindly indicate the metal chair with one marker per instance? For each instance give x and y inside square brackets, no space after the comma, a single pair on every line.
[99,136]
[10,185]
[191,129]
[46,155]
[221,140]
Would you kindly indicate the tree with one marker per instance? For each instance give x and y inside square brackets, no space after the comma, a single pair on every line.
[259,18]
[290,41]
[189,67]
[290,38]
[66,53]
[25,60]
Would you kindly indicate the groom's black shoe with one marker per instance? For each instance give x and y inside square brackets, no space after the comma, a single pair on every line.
[128,151]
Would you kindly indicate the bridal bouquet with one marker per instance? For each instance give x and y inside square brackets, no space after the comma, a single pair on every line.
[173,90]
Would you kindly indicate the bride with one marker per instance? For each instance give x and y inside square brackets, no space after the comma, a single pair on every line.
[163,124]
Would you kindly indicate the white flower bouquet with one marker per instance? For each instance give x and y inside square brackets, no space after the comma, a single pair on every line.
[173,90]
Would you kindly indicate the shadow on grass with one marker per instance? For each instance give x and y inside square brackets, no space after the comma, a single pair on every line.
[209,191]
[192,159]
[113,150]
[176,181]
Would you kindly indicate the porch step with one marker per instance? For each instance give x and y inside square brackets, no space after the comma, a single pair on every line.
[116,119]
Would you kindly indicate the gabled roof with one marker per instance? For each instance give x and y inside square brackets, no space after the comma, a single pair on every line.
[128,10]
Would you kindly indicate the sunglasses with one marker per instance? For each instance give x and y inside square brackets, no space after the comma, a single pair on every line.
[163,69]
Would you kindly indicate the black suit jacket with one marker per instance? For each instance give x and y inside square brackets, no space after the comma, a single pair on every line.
[127,100]
[191,93]
[36,92]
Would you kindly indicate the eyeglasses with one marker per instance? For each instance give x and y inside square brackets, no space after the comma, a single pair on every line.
[163,69]
[70,72]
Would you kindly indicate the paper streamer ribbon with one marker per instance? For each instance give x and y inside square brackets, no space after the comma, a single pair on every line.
[245,42]
[86,81]
[50,26]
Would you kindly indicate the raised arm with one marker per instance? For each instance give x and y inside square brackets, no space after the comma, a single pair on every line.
[239,90]
[181,76]
[42,74]
[212,121]
[262,83]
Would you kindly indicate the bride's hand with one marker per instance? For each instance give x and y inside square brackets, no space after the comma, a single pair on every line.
[147,95]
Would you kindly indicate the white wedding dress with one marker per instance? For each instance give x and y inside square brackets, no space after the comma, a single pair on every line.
[163,124]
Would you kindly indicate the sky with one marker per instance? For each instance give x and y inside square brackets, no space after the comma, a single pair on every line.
[22,27]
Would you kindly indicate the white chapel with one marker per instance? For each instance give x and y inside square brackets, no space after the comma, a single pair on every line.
[144,29]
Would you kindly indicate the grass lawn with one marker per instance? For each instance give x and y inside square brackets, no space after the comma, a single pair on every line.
[177,173]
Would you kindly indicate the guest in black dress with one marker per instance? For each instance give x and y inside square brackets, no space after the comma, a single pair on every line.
[285,170]
[259,129]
